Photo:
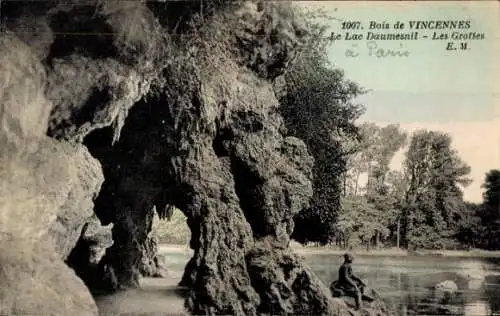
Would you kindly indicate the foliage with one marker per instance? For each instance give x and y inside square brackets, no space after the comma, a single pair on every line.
[317,105]
[485,228]
[471,231]
[433,204]
[491,196]
[374,152]
[360,220]
[423,205]
[174,230]
[375,149]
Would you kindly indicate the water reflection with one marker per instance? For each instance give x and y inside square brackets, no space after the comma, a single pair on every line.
[407,283]
[477,309]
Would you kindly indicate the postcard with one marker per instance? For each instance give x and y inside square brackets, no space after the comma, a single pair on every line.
[249,157]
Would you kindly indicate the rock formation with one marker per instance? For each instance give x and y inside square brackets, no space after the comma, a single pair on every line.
[152,264]
[372,303]
[175,101]
[46,192]
[85,258]
[447,286]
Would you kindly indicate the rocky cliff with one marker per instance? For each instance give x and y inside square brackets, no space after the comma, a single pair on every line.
[124,107]
[46,191]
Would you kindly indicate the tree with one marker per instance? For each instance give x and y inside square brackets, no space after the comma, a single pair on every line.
[489,211]
[373,154]
[491,195]
[359,222]
[316,102]
[471,230]
[385,143]
[433,203]
[359,162]
[398,186]
[375,150]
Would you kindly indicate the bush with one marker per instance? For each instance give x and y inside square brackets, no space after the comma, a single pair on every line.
[175,230]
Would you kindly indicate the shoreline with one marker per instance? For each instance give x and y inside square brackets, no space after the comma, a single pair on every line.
[305,250]
[473,253]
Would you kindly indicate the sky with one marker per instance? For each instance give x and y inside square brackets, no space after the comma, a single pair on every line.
[456,92]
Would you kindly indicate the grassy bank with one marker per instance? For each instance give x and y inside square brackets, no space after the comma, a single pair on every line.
[479,253]
[304,250]
[174,237]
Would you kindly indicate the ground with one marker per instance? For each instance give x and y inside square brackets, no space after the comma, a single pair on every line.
[156,296]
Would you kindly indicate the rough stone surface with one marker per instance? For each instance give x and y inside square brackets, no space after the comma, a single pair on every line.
[286,284]
[372,303]
[85,258]
[65,230]
[35,281]
[267,37]
[152,263]
[94,239]
[46,191]
[98,237]
[97,75]
[447,286]
[376,308]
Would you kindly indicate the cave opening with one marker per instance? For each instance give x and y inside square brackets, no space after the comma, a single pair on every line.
[173,236]
[140,211]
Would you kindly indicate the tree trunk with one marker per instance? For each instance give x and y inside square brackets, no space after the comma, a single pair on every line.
[356,185]
[397,233]
[345,183]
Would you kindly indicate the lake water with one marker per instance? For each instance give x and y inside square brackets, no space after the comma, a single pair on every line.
[405,282]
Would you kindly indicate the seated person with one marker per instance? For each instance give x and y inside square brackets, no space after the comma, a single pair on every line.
[348,283]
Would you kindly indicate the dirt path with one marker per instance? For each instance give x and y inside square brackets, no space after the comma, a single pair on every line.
[155,297]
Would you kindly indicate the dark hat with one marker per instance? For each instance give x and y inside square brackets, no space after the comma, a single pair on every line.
[348,256]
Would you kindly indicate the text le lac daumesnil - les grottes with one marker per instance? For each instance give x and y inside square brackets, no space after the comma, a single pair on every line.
[455,34]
